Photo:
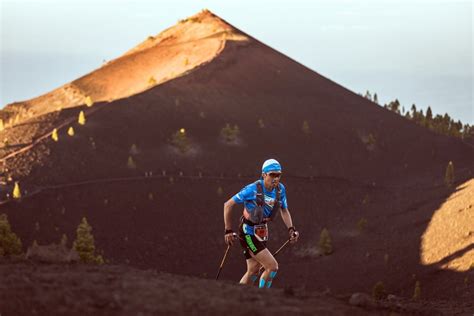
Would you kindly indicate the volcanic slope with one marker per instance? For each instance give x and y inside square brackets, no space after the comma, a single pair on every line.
[346,161]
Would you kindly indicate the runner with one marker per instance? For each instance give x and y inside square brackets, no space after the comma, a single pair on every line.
[262,200]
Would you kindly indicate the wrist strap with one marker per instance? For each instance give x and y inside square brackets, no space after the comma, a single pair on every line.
[228,231]
[292,228]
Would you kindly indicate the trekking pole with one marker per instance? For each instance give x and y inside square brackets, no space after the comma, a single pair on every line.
[282,246]
[276,253]
[223,259]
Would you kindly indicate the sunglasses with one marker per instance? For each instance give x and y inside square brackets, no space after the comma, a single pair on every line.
[275,175]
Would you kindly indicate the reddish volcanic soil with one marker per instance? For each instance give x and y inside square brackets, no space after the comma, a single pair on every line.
[356,161]
[30,289]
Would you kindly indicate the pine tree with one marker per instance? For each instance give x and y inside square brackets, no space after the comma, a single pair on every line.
[378,291]
[151,81]
[449,175]
[368,95]
[362,225]
[229,133]
[133,150]
[70,131]
[325,244]
[181,141]
[429,114]
[417,292]
[420,117]
[82,118]
[376,99]
[63,241]
[10,244]
[88,101]
[16,191]
[131,163]
[85,245]
[54,135]
[414,113]
[305,128]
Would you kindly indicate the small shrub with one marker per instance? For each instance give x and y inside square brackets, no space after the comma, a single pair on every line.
[85,245]
[325,244]
[16,191]
[230,134]
[180,140]
[10,244]
[417,292]
[378,291]
[70,131]
[54,135]
[82,118]
[305,128]
[449,175]
[362,225]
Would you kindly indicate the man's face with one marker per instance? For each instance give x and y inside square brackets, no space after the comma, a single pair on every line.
[271,179]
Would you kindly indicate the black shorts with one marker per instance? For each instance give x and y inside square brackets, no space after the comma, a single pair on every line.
[250,244]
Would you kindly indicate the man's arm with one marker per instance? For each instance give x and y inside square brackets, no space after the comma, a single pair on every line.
[229,237]
[286,216]
[227,210]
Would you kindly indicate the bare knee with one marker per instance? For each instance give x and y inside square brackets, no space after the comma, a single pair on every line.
[254,268]
[272,266]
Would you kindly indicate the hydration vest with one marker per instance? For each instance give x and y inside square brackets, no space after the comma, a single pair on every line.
[256,216]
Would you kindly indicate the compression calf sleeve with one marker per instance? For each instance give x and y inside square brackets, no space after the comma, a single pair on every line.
[270,279]
[253,278]
[267,282]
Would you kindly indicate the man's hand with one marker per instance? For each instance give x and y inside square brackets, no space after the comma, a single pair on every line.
[293,234]
[229,237]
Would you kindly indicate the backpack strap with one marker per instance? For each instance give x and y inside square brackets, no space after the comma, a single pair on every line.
[277,205]
[260,197]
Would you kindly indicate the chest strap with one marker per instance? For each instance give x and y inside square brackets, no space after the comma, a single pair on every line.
[260,201]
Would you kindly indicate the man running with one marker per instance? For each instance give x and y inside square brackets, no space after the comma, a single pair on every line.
[262,200]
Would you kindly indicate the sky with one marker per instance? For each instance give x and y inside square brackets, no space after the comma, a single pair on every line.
[419,51]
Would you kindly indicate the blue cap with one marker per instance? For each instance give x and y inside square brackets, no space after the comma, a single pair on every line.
[271,165]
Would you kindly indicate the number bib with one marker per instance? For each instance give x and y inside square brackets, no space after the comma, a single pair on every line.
[261,232]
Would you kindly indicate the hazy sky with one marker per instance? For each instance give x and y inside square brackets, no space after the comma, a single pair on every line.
[419,51]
